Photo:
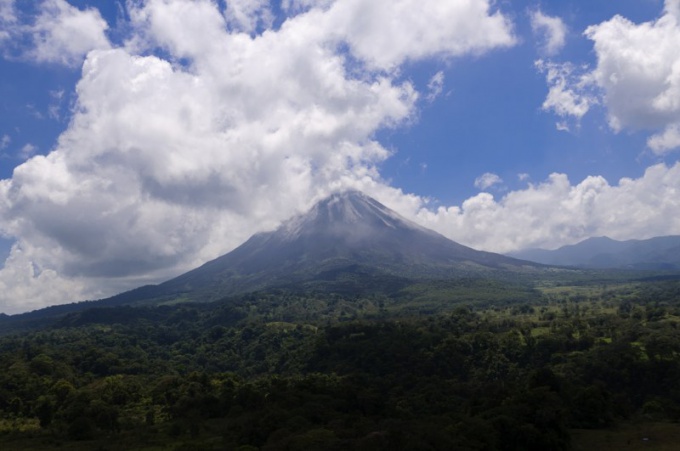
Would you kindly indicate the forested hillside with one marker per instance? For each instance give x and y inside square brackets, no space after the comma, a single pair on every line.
[283,371]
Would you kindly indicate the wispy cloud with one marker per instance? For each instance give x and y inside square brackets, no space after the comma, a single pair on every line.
[435,86]
[27,151]
[570,94]
[487,180]
[4,141]
[550,31]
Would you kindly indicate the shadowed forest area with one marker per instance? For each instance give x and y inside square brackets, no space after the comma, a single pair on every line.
[291,371]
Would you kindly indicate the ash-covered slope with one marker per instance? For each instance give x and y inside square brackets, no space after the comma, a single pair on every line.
[345,235]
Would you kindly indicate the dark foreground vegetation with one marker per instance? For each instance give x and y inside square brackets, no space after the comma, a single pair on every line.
[283,371]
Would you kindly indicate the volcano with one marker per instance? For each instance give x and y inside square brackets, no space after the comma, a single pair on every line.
[346,242]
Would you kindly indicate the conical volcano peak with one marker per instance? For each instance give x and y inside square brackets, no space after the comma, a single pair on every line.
[348,213]
[346,240]
[354,206]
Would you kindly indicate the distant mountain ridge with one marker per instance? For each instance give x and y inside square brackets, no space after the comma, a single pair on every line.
[659,253]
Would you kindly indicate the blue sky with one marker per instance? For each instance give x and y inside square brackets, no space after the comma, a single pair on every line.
[139,139]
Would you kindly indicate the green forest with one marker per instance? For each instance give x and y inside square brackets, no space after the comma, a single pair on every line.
[283,370]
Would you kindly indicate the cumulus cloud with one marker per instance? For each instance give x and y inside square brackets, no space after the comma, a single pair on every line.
[386,33]
[170,161]
[638,68]
[487,180]
[249,15]
[636,77]
[556,212]
[60,33]
[664,142]
[551,32]
[569,94]
[31,286]
[64,34]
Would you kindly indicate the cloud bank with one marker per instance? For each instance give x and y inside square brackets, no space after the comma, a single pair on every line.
[557,212]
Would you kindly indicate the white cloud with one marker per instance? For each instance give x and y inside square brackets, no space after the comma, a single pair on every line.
[249,15]
[64,34]
[555,212]
[33,287]
[562,126]
[386,33]
[8,19]
[167,163]
[569,91]
[56,100]
[297,6]
[435,86]
[672,7]
[664,142]
[60,33]
[27,151]
[550,30]
[636,78]
[487,180]
[638,68]
[4,141]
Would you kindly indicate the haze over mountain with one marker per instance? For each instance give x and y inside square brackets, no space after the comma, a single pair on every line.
[659,253]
